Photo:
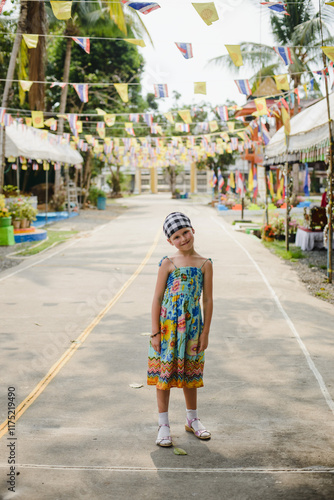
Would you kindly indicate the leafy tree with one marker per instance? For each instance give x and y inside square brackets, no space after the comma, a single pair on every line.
[300,30]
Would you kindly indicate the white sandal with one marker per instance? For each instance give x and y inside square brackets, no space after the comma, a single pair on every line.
[164,441]
[201,433]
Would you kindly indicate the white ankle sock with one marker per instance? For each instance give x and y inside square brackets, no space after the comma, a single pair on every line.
[196,424]
[163,421]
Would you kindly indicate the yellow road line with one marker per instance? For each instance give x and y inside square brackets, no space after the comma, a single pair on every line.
[76,344]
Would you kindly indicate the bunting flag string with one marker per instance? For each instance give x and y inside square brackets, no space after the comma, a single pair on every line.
[285,54]
[279,7]
[185,49]
[243,87]
[143,7]
[83,42]
[160,90]
[207,11]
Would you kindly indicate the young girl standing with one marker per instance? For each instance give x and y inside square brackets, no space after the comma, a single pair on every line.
[179,336]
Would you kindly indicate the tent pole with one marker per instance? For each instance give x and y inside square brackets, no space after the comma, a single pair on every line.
[17,174]
[46,194]
[287,196]
[329,207]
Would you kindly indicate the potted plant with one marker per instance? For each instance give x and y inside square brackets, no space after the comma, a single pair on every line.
[28,213]
[278,225]
[15,207]
[5,215]
[268,233]
[97,197]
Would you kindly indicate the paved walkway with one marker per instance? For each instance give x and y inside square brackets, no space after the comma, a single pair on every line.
[71,331]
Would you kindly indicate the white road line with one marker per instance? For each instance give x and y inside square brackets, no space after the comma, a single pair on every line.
[292,327]
[61,249]
[215,470]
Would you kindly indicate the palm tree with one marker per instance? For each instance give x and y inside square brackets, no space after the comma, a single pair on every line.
[300,30]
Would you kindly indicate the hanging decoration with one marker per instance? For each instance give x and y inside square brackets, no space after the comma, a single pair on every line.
[185,49]
[207,11]
[276,7]
[185,115]
[235,54]
[285,54]
[83,42]
[37,119]
[135,41]
[200,88]
[25,85]
[282,82]
[122,89]
[243,87]
[61,10]
[160,90]
[143,7]
[30,40]
[82,91]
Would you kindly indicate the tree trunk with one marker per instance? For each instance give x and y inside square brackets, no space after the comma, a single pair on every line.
[10,74]
[37,24]
[63,100]
[87,173]
[115,182]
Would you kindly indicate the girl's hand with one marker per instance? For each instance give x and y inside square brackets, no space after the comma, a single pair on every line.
[156,342]
[203,342]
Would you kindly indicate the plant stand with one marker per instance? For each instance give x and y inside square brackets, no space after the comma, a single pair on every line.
[7,236]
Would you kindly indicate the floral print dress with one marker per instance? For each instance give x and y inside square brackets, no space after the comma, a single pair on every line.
[178,364]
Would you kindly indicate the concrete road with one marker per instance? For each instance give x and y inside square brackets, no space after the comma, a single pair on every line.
[72,325]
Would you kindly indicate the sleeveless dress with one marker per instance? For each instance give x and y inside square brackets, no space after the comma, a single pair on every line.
[178,364]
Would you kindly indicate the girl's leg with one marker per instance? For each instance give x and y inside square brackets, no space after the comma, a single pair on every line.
[193,423]
[164,438]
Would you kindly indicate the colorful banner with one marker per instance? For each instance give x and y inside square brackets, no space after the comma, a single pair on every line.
[82,91]
[30,40]
[83,42]
[61,10]
[143,7]
[160,90]
[285,54]
[207,11]
[235,54]
[185,49]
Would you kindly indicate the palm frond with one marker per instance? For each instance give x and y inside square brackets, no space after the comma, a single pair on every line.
[117,15]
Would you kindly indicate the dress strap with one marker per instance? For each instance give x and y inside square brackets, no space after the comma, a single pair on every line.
[205,262]
[165,257]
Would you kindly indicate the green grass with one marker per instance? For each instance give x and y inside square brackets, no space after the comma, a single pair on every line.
[278,247]
[54,237]
[323,295]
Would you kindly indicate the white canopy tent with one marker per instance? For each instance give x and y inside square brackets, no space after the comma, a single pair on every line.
[38,145]
[309,137]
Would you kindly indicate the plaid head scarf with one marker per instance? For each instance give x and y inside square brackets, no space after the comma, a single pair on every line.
[174,222]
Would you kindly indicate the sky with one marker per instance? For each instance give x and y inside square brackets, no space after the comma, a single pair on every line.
[178,21]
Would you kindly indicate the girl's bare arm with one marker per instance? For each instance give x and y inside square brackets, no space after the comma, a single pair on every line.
[207,306]
[163,273]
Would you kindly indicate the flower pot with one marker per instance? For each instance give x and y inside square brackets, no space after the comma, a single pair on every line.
[16,223]
[23,223]
[101,203]
[267,238]
[292,238]
[5,221]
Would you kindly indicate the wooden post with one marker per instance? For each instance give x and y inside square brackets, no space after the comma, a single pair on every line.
[154,180]
[193,178]
[137,181]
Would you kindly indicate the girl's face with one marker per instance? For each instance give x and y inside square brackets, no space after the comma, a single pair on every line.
[183,239]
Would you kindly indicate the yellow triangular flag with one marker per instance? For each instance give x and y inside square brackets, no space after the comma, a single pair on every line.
[46,165]
[329,51]
[135,41]
[89,138]
[225,135]
[24,166]
[109,120]
[101,132]
[213,126]
[305,90]
[122,89]
[28,122]
[261,106]
[207,11]
[25,85]
[31,40]
[37,119]
[61,10]
[231,126]
[79,127]
[235,54]
[282,82]
[200,88]
[250,180]
[185,115]
[329,3]
[169,117]
[100,111]
[286,120]
[50,122]
[241,135]
[232,183]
